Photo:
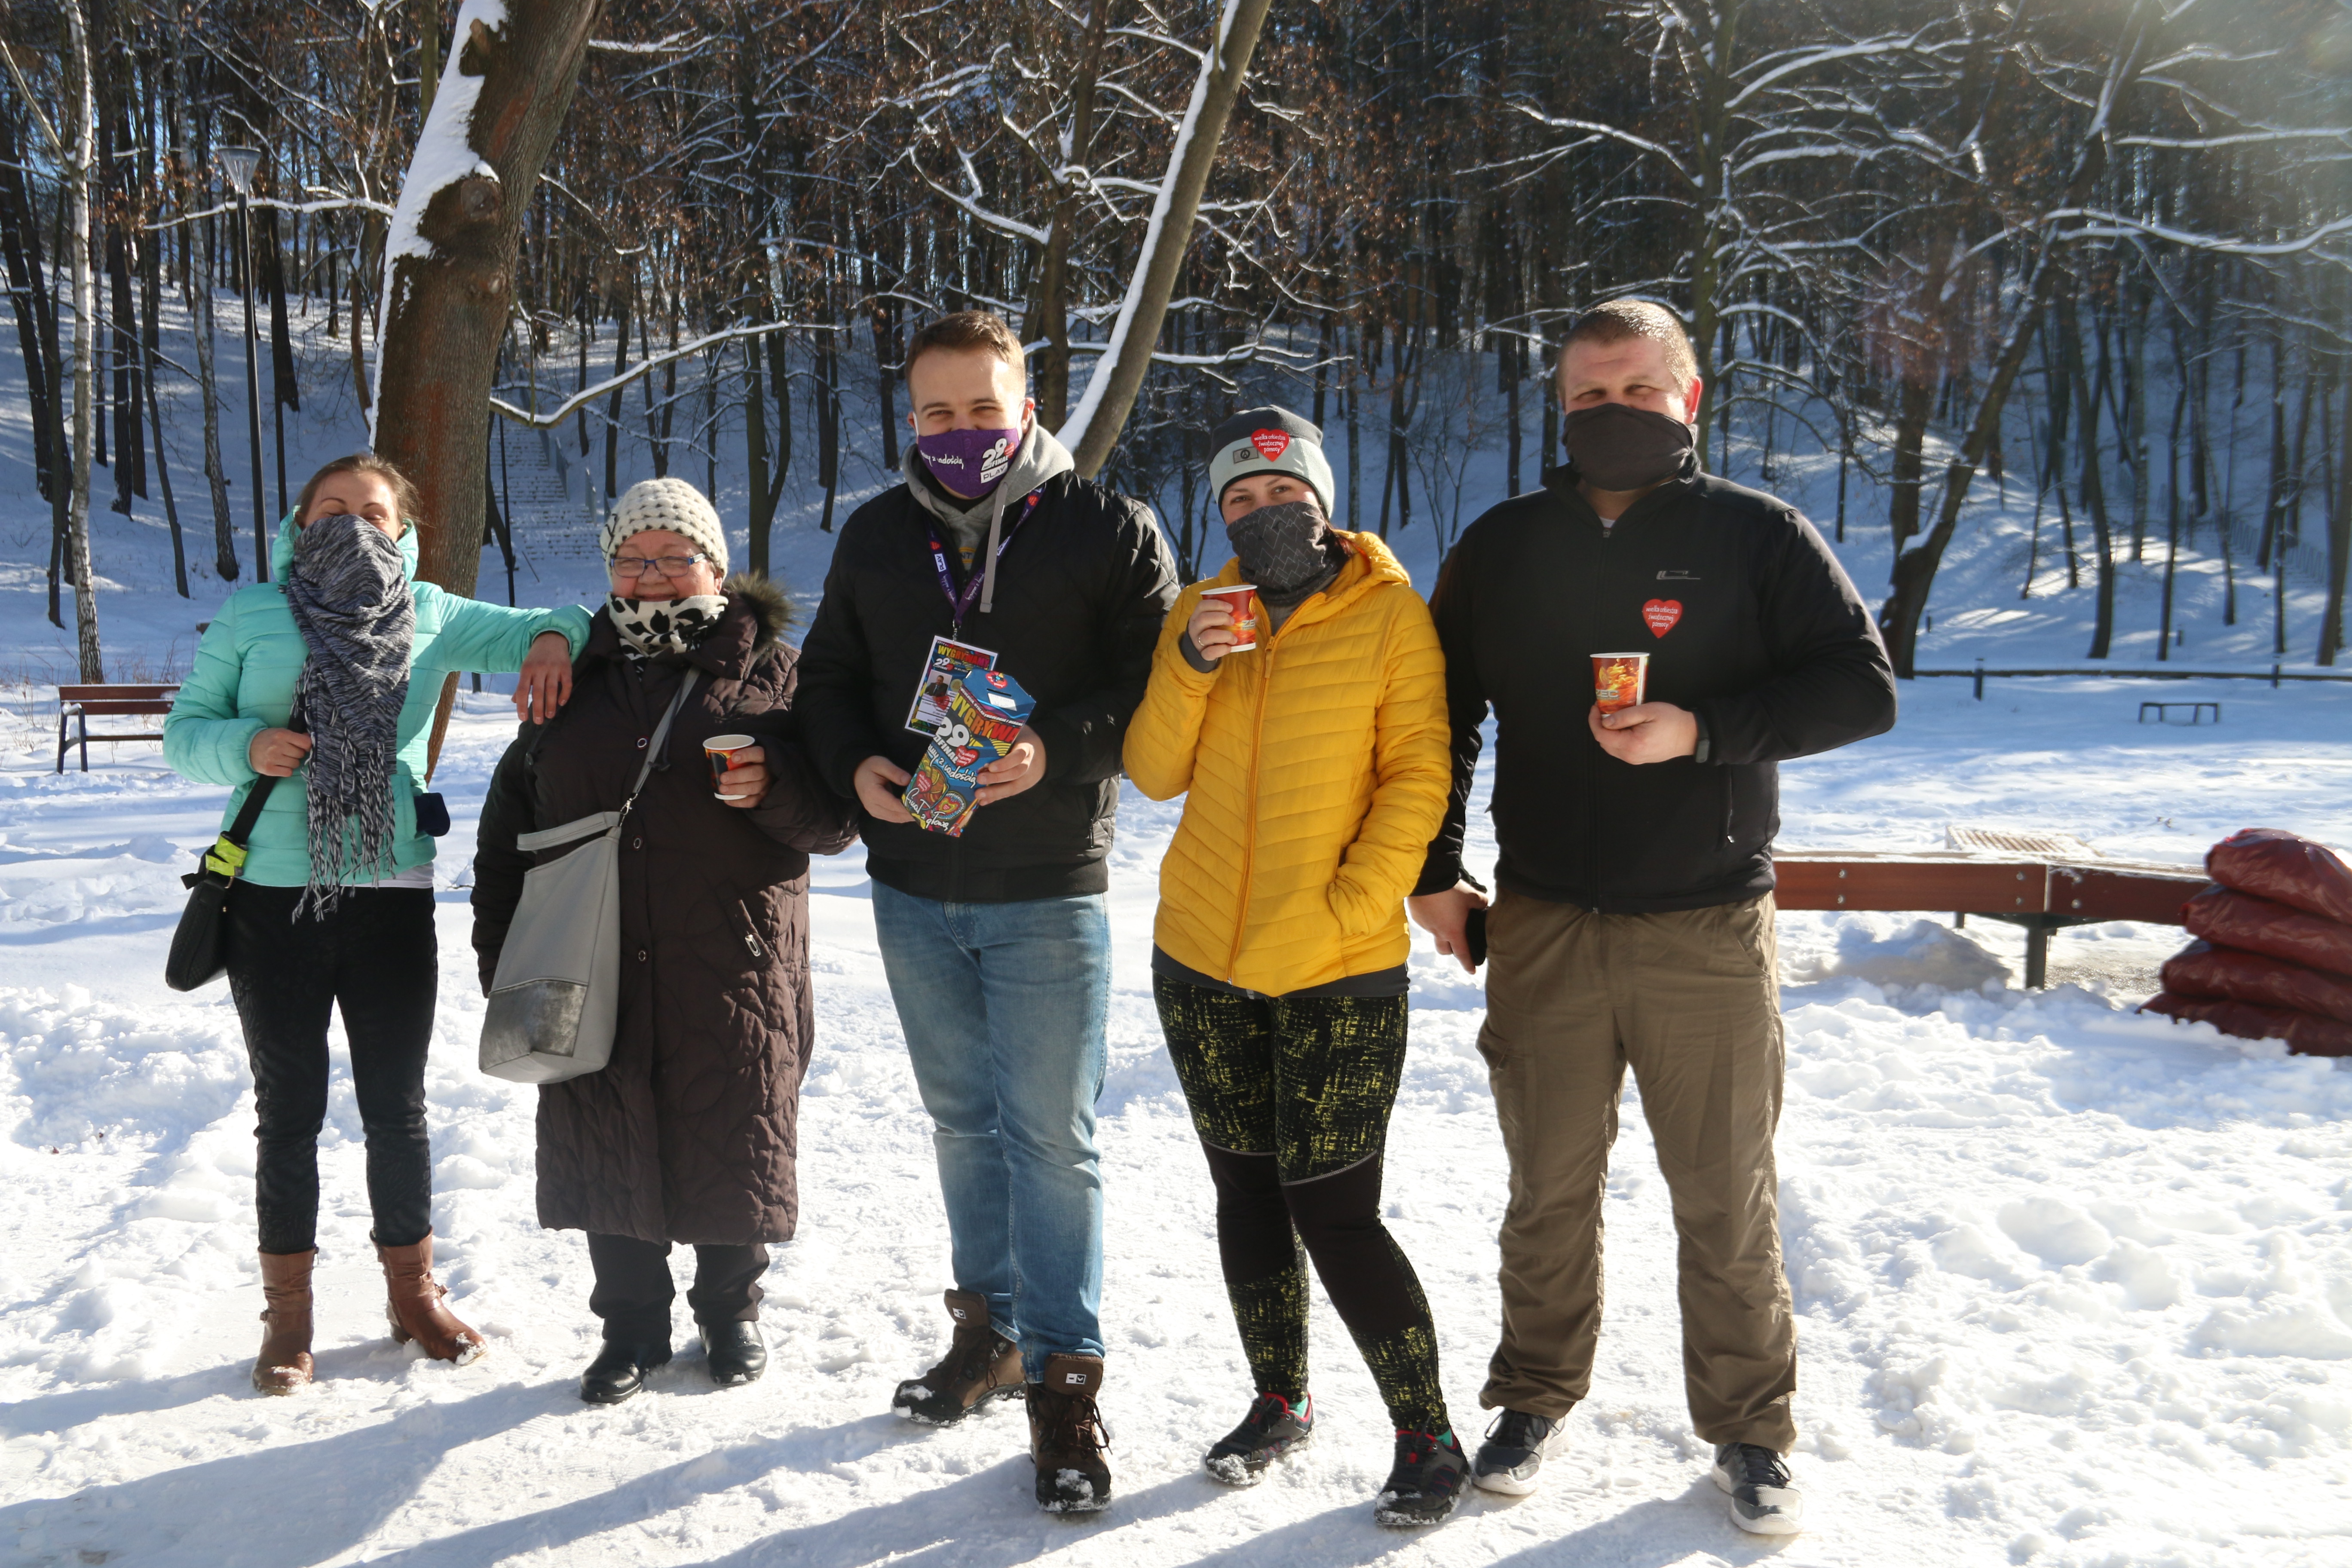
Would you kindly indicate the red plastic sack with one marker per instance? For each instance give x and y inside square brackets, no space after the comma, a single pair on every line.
[2200,969]
[2259,925]
[2272,863]
[2305,1033]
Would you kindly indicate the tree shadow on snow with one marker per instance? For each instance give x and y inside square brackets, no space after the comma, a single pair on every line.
[983,1521]
[980,1520]
[1653,1534]
[285,1505]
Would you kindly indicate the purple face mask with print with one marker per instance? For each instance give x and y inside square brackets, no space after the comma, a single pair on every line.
[969,462]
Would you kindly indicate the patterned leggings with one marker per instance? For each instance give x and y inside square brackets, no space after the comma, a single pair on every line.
[1291,1100]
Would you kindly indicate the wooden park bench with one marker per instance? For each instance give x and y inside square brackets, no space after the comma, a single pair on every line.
[78,705]
[2042,881]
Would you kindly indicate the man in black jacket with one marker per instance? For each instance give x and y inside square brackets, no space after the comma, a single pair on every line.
[995,554]
[1633,923]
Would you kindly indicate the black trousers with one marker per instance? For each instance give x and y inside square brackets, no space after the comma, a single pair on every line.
[1291,1098]
[633,1291]
[376,958]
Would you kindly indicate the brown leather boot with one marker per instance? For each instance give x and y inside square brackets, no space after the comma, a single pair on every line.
[980,1365]
[284,1364]
[414,1305]
[1067,1438]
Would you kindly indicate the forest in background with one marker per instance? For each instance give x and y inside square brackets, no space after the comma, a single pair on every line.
[2114,232]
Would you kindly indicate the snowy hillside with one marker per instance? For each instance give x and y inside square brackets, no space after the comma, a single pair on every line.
[2074,1285]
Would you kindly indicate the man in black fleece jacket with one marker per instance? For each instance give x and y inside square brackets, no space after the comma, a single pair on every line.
[1633,919]
[996,942]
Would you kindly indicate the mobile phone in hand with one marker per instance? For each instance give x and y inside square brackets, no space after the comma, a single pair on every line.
[1474,936]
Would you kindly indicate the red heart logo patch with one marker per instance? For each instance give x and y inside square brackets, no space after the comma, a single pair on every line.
[1662,615]
[1270,444]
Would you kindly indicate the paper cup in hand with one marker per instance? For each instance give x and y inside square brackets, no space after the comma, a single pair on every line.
[1240,598]
[1619,680]
[721,750]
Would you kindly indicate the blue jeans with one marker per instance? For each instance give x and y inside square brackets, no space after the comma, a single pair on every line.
[1003,1006]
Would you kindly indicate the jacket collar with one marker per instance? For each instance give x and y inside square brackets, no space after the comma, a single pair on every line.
[1562,482]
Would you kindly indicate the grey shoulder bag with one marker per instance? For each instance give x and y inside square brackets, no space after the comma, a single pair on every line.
[554,1002]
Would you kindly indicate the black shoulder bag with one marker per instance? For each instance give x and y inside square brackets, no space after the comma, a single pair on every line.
[200,946]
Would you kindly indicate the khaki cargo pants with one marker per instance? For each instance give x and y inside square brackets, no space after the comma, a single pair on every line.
[1690,1000]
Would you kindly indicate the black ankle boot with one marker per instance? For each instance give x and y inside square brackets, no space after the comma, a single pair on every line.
[737,1354]
[620,1369]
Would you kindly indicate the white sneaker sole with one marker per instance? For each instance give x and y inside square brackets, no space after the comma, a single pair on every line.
[1790,1523]
[1507,1484]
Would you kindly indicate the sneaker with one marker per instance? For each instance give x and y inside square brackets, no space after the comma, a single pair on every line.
[1067,1438]
[1273,1427]
[980,1365]
[1764,1498]
[1424,1483]
[1513,1452]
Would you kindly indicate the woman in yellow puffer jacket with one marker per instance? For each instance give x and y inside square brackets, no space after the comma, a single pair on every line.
[1316,771]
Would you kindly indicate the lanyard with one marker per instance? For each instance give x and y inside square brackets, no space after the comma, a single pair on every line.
[960,603]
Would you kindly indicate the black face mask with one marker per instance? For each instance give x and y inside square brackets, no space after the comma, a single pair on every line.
[1282,549]
[1616,447]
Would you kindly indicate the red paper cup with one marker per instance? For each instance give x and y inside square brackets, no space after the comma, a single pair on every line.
[1241,599]
[1619,680]
[720,749]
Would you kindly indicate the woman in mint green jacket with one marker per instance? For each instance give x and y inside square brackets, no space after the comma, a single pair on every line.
[334,906]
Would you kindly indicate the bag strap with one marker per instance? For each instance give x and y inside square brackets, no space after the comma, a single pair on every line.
[226,856]
[660,735]
[610,821]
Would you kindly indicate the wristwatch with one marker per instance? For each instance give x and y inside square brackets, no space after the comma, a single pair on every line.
[1705,746]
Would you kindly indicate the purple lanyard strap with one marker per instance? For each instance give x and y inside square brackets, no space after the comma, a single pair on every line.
[958,604]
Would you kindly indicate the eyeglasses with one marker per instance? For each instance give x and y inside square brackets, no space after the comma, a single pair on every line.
[667,565]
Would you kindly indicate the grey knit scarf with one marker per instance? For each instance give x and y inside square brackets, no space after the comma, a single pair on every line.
[350,599]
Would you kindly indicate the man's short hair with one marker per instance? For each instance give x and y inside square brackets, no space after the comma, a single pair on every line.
[1615,321]
[965,331]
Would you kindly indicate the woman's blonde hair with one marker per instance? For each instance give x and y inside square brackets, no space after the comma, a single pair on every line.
[403,494]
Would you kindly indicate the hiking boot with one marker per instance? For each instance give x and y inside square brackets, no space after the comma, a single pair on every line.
[1273,1427]
[413,1304]
[735,1351]
[1513,1452]
[1764,1498]
[980,1365]
[283,1363]
[1424,1483]
[621,1368]
[1067,1436]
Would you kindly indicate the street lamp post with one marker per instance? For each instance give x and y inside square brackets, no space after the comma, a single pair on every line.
[239,164]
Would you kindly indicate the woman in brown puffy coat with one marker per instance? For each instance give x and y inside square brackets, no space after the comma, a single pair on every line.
[687,1135]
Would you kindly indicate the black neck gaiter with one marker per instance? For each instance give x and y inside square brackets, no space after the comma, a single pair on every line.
[1286,550]
[1616,447]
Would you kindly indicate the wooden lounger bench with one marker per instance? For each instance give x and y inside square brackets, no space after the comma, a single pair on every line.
[76,705]
[2041,881]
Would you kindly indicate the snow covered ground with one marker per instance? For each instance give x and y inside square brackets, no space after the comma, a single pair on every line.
[2076,1284]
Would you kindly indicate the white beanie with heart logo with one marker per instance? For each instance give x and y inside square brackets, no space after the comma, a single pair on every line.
[666,503]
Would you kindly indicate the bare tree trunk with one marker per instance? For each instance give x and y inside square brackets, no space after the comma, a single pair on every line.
[201,323]
[1052,316]
[449,264]
[449,259]
[78,174]
[1093,429]
[1914,569]
[1714,167]
[2339,544]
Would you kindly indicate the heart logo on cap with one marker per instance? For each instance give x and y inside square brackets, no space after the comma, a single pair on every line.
[1270,444]
[1662,615]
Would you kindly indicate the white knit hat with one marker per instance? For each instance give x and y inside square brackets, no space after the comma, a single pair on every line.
[666,503]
